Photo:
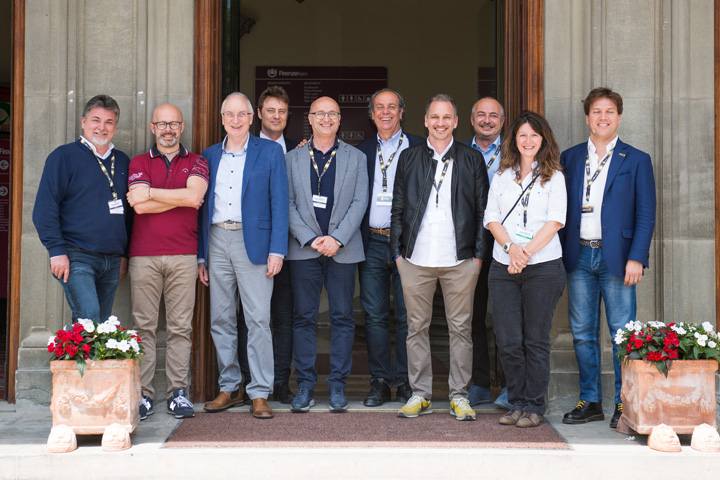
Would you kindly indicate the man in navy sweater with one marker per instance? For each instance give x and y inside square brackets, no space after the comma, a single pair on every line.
[81,213]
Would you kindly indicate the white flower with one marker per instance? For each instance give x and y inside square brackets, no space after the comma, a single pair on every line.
[134,345]
[105,328]
[113,320]
[51,340]
[712,344]
[123,345]
[708,327]
[702,340]
[633,325]
[656,324]
[132,332]
[87,324]
[619,337]
[678,329]
[111,343]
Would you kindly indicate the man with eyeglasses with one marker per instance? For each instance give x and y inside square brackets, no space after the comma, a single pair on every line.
[487,119]
[328,196]
[243,241]
[166,187]
[377,272]
[81,215]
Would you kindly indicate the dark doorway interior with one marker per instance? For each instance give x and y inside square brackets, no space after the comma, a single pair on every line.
[5,80]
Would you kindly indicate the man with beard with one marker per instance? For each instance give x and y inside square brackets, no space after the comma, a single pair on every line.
[81,215]
[166,188]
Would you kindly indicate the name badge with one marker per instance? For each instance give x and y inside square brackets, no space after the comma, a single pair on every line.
[116,207]
[384,200]
[436,215]
[523,237]
[319,201]
[588,210]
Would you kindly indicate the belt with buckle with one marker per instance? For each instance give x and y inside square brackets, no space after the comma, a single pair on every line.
[591,243]
[230,225]
[385,232]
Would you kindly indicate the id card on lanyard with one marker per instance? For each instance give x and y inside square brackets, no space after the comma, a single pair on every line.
[115,205]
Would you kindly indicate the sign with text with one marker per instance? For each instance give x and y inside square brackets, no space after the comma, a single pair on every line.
[351,87]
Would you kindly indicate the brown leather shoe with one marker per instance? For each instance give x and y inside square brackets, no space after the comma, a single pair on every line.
[224,401]
[261,409]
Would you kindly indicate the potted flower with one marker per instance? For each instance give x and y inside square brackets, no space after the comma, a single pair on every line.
[668,374]
[96,376]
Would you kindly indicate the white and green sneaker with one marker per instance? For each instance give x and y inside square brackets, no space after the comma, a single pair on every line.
[461,410]
[417,405]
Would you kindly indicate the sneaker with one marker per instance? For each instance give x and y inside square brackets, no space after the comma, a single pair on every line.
[461,410]
[502,400]
[510,418]
[404,392]
[145,407]
[478,395]
[379,393]
[417,405]
[180,406]
[338,400]
[529,420]
[304,399]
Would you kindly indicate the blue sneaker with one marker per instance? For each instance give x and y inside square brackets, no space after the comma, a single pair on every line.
[338,400]
[304,399]
[179,406]
[146,407]
[502,400]
[478,395]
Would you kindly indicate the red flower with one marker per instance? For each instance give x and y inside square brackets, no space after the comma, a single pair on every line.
[673,354]
[654,356]
[86,348]
[638,343]
[51,347]
[78,328]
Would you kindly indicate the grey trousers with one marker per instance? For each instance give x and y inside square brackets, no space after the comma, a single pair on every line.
[458,287]
[230,270]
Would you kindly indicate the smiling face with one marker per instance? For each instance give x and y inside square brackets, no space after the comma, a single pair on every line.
[528,141]
[237,116]
[167,138]
[273,117]
[326,127]
[387,114]
[603,120]
[99,127]
[487,120]
[440,122]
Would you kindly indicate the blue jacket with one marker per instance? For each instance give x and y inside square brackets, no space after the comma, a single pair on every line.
[628,208]
[71,208]
[264,200]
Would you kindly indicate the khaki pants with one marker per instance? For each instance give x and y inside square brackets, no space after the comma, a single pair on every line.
[458,287]
[173,276]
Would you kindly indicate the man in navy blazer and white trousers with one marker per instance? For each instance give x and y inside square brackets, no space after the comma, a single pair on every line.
[606,242]
[242,243]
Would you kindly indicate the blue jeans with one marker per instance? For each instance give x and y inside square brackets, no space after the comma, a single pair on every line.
[587,284]
[308,277]
[91,285]
[376,273]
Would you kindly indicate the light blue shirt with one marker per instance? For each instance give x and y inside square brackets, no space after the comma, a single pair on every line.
[489,154]
[380,214]
[228,186]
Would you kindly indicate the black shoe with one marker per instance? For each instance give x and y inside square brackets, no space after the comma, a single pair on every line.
[379,393]
[585,412]
[282,393]
[246,397]
[404,392]
[616,416]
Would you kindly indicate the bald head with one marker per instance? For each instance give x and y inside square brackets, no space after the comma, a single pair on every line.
[167,110]
[167,125]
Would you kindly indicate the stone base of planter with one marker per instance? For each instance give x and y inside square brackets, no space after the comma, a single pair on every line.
[682,400]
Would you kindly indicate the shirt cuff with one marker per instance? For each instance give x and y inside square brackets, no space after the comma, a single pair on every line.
[277,255]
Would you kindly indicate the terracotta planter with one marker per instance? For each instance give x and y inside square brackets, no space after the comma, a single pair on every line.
[108,393]
[683,400]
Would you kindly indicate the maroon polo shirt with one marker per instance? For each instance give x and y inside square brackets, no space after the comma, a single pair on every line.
[173,232]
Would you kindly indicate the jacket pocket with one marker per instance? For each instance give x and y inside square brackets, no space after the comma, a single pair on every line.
[627,233]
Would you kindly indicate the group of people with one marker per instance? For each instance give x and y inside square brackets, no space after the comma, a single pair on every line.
[267,222]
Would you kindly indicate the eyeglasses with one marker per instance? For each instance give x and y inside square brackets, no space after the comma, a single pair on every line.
[164,125]
[238,115]
[321,115]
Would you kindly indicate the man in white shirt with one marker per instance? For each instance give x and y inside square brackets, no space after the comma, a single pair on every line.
[437,234]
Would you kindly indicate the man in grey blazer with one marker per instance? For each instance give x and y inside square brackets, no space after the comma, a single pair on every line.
[328,196]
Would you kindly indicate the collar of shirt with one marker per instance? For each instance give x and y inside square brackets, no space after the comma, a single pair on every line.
[280,140]
[336,145]
[154,152]
[439,156]
[108,152]
[492,148]
[391,142]
[592,151]
[242,151]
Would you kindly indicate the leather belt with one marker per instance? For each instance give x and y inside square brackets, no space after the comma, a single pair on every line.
[385,232]
[591,243]
[230,225]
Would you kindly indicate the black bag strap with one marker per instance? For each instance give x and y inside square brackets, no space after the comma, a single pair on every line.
[518,199]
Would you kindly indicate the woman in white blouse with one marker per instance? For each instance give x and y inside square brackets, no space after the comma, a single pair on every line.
[526,208]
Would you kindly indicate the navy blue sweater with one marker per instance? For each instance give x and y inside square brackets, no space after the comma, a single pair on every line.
[71,207]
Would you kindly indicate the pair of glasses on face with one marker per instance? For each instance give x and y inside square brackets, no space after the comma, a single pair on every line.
[164,125]
[321,115]
[238,115]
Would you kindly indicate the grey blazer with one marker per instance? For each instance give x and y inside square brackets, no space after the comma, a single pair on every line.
[351,192]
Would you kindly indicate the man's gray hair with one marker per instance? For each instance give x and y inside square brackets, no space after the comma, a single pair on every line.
[236,94]
[401,101]
[502,109]
[102,101]
[441,97]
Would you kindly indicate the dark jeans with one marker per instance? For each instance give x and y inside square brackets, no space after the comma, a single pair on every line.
[91,285]
[523,307]
[281,312]
[308,278]
[376,273]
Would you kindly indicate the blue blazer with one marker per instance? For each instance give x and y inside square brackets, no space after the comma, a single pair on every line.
[264,200]
[628,208]
[369,148]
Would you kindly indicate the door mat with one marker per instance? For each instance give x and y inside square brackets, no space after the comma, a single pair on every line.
[358,429]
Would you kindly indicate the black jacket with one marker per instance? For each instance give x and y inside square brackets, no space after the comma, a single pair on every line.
[413,186]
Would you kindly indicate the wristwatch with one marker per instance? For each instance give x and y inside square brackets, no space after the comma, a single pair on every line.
[506,247]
